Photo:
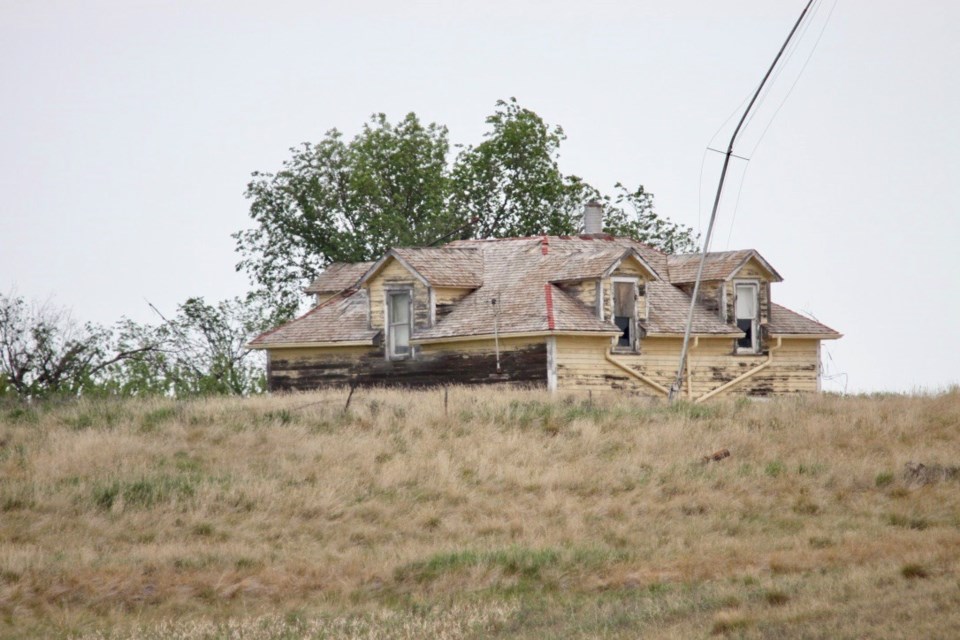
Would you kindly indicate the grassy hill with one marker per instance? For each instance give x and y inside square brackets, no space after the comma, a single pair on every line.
[502,515]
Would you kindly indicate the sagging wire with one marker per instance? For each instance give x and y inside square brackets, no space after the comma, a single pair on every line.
[824,376]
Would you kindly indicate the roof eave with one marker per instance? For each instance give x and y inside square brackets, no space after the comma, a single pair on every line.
[302,345]
[516,334]
[763,262]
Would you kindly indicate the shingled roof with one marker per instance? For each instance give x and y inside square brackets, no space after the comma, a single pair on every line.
[342,318]
[719,265]
[338,276]
[519,274]
[784,322]
[446,266]
[668,309]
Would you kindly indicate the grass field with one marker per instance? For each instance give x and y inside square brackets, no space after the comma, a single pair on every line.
[507,514]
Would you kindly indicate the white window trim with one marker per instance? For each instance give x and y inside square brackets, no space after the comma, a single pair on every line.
[633,348]
[755,333]
[388,346]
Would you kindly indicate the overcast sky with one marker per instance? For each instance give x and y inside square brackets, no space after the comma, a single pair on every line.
[128,131]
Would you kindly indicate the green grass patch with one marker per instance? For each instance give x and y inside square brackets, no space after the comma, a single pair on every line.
[774,469]
[144,492]
[153,419]
[884,479]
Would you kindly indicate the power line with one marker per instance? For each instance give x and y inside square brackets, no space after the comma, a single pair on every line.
[675,387]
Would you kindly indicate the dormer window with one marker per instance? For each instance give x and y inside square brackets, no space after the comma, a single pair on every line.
[747,306]
[398,323]
[625,312]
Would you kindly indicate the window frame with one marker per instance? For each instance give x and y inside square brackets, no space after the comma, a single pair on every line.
[388,323]
[755,321]
[634,345]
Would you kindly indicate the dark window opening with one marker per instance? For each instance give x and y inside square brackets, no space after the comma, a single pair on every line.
[624,323]
[746,303]
[625,312]
[745,325]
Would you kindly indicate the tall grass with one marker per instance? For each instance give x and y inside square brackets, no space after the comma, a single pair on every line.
[504,514]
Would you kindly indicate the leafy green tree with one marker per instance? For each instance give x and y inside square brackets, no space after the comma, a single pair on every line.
[630,214]
[394,185]
[344,201]
[511,184]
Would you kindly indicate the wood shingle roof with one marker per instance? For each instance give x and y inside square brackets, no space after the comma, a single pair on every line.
[514,291]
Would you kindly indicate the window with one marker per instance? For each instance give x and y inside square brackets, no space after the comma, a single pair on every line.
[398,323]
[746,309]
[625,312]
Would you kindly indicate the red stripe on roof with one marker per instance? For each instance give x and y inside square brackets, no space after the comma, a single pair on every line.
[548,292]
[545,245]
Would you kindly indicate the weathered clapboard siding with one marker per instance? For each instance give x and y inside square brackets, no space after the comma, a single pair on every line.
[581,364]
[584,290]
[394,274]
[323,297]
[523,362]
[447,297]
[711,296]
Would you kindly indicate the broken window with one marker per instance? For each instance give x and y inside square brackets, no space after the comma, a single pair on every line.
[398,323]
[747,307]
[625,312]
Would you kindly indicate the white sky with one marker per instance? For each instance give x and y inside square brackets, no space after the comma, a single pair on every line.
[128,131]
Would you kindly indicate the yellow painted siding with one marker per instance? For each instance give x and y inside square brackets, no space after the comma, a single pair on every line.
[446,298]
[753,269]
[581,364]
[585,291]
[450,295]
[630,268]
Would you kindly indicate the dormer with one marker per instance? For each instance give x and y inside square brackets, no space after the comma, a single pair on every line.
[613,283]
[735,285]
[410,290]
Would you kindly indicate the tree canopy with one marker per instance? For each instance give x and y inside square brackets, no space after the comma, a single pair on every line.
[395,185]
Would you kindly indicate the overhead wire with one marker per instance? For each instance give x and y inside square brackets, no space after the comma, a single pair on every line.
[678,382]
[797,79]
[818,5]
[792,47]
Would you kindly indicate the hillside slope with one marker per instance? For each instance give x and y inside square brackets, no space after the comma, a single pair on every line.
[505,514]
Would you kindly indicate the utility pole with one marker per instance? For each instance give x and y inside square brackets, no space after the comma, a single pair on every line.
[678,383]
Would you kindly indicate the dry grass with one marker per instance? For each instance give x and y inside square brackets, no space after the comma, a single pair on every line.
[515,515]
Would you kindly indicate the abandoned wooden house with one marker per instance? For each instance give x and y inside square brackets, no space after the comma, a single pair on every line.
[561,312]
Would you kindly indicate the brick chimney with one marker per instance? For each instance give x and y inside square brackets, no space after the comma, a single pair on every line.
[593,218]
